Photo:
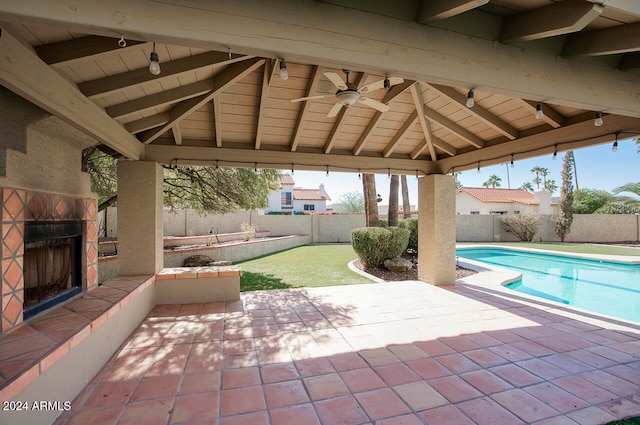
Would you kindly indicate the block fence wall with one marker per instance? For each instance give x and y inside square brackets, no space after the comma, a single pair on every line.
[593,228]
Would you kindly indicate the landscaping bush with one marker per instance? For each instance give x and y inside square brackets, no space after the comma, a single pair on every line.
[523,226]
[411,224]
[376,244]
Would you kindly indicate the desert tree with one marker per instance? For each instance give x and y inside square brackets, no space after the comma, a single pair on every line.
[565,214]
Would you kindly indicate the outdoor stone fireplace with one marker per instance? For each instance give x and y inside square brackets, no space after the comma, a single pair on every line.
[49,251]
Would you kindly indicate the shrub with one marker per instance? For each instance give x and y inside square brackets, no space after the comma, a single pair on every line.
[383,223]
[411,224]
[523,226]
[248,231]
[376,244]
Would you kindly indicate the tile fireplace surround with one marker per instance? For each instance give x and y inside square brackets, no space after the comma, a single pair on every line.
[20,206]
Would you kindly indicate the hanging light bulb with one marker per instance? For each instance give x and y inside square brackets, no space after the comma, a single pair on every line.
[555,153]
[512,161]
[614,148]
[539,112]
[470,100]
[284,73]
[478,167]
[387,83]
[598,121]
[154,63]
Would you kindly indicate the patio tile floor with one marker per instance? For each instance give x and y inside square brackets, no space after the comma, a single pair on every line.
[398,353]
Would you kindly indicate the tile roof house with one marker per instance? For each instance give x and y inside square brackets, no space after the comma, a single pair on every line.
[290,199]
[482,200]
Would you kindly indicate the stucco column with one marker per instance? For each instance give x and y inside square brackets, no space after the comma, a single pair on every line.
[140,228]
[437,229]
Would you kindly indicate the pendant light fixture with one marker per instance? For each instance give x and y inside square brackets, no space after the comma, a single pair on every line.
[154,62]
[539,112]
[470,100]
[598,121]
[284,73]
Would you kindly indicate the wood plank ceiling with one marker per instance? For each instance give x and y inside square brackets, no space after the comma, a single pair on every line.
[228,108]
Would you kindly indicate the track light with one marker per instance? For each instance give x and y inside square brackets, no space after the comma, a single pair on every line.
[539,113]
[284,73]
[470,100]
[387,83]
[598,121]
[154,63]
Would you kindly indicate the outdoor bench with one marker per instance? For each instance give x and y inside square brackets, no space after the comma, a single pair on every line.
[185,285]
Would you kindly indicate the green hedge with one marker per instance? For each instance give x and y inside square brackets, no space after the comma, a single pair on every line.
[411,224]
[376,244]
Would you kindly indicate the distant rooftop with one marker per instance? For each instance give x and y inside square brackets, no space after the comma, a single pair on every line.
[498,195]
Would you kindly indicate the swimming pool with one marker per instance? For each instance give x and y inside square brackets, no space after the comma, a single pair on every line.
[603,287]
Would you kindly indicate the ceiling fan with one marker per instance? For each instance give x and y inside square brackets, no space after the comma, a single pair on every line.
[348,93]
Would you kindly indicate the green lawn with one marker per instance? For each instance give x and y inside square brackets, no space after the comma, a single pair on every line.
[630,421]
[308,265]
[580,248]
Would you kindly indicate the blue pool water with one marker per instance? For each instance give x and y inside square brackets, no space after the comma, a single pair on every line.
[603,287]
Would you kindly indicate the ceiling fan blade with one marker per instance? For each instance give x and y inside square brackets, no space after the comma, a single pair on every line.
[374,104]
[322,96]
[334,111]
[336,80]
[380,84]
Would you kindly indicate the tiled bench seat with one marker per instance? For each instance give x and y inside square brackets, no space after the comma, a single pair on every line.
[185,285]
[36,352]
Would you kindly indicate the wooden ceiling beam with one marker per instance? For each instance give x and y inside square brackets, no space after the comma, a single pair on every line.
[112,83]
[24,73]
[177,134]
[63,52]
[607,41]
[278,159]
[631,7]
[217,120]
[574,136]
[453,127]
[444,146]
[163,98]
[304,112]
[400,134]
[436,10]
[551,116]
[630,62]
[479,112]
[337,126]
[418,101]
[391,95]
[556,19]
[147,123]
[267,77]
[223,81]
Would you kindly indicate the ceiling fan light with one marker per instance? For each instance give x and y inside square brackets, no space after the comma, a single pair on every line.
[348,97]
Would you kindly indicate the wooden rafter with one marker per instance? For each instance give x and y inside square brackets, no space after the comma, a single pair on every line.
[443,146]
[418,101]
[337,126]
[24,73]
[224,80]
[267,76]
[112,83]
[608,41]
[556,19]
[453,127]
[167,97]
[147,123]
[217,120]
[177,133]
[435,10]
[479,112]
[313,83]
[400,134]
[63,52]
[393,92]
[630,62]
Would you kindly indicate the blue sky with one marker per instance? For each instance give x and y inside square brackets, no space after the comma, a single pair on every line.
[598,168]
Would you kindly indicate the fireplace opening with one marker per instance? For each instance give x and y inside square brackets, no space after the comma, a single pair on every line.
[52,265]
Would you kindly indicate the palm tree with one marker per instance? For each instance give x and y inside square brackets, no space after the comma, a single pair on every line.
[540,171]
[493,181]
[527,186]
[406,205]
[370,199]
[629,187]
[551,186]
[394,186]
